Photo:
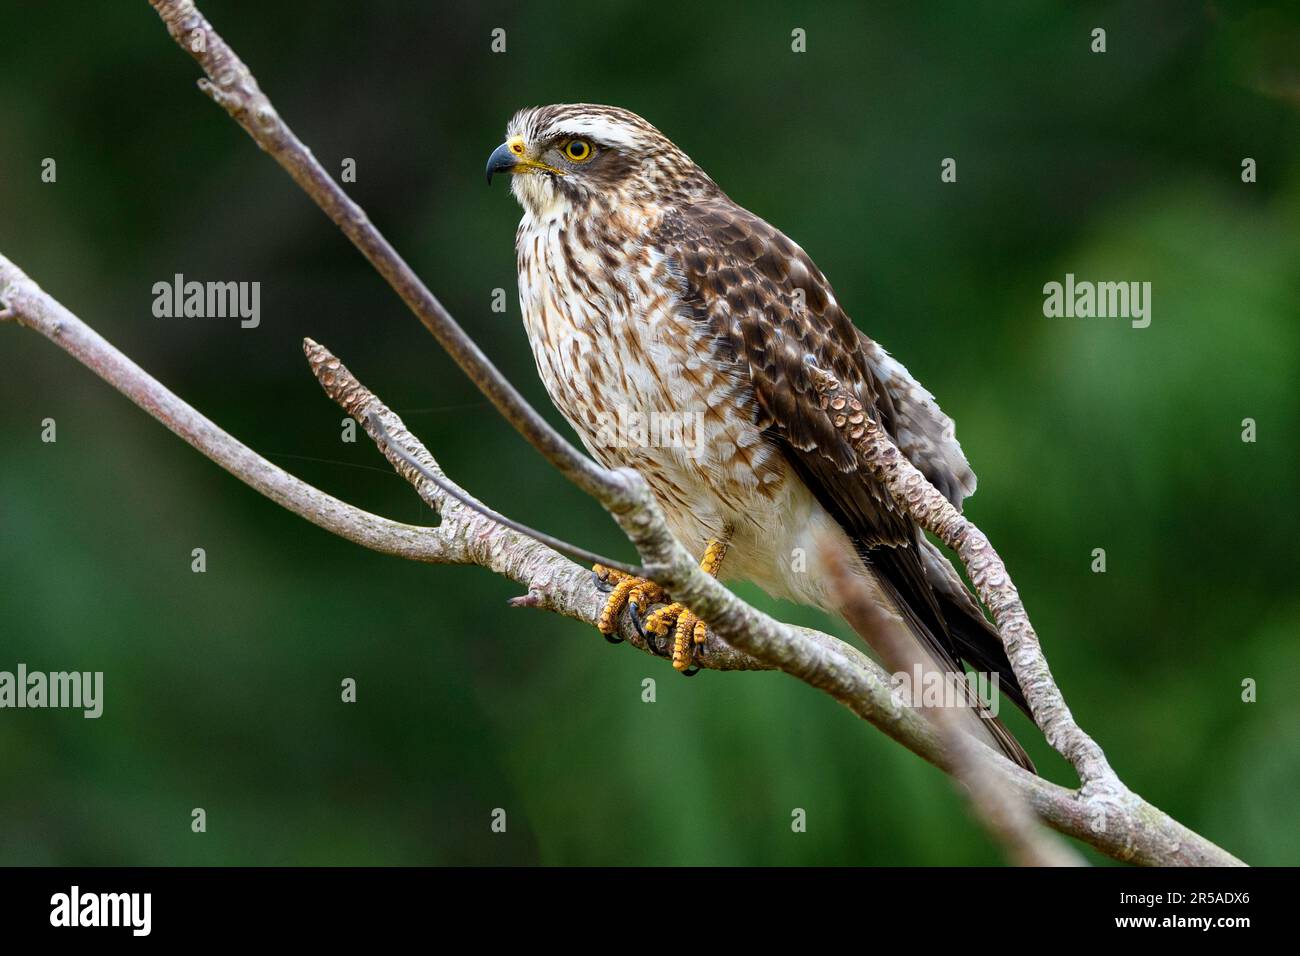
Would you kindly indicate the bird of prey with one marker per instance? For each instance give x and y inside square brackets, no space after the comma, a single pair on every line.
[647,293]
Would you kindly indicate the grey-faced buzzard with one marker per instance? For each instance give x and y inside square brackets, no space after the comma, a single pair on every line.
[677,333]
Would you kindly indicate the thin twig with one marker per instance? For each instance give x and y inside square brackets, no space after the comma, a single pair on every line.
[920,499]
[572,551]
[36,310]
[234,88]
[1001,809]
[470,536]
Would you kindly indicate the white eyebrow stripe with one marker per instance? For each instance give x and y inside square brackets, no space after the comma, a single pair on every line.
[597,128]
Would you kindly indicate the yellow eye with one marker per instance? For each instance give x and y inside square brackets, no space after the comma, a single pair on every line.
[577,150]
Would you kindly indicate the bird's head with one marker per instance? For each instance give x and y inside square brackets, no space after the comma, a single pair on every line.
[581,156]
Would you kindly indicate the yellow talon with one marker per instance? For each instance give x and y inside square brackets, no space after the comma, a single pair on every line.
[684,626]
[688,625]
[607,574]
[701,632]
[607,623]
[662,620]
[689,632]
[711,563]
[645,594]
[638,592]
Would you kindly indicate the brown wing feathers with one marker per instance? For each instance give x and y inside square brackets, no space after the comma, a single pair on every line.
[771,309]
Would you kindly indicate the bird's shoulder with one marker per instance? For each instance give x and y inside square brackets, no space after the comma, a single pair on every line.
[772,311]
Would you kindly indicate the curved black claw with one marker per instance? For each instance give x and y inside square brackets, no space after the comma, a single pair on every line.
[613,638]
[651,640]
[602,584]
[692,670]
[638,619]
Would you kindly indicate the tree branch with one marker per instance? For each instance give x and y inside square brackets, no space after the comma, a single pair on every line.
[232,86]
[1139,832]
[927,505]
[1003,811]
[1128,829]
[1103,813]
[32,308]
[469,533]
[623,493]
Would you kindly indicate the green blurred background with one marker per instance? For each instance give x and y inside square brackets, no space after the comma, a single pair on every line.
[222,689]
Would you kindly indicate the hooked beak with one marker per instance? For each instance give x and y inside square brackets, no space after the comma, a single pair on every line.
[502,160]
[511,157]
